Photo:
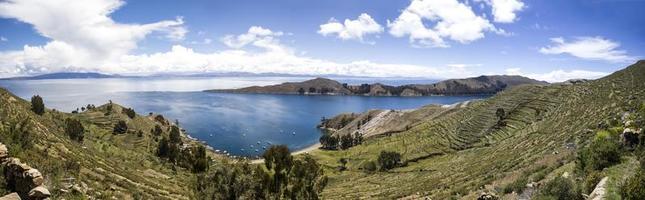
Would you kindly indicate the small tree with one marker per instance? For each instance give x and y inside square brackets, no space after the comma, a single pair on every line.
[346,141]
[129,112]
[388,160]
[501,115]
[157,130]
[301,91]
[74,129]
[175,136]
[120,127]
[328,141]
[37,105]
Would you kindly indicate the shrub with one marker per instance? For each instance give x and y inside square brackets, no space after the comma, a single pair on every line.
[161,119]
[590,181]
[604,151]
[175,136]
[129,112]
[157,131]
[120,127]
[74,129]
[328,141]
[388,160]
[346,141]
[516,186]
[559,188]
[37,105]
[369,166]
[634,187]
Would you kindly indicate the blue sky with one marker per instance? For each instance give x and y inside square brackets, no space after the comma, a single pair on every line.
[548,40]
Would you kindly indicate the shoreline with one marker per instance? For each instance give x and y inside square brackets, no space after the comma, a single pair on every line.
[301,151]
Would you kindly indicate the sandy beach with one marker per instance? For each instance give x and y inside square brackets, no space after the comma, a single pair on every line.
[305,150]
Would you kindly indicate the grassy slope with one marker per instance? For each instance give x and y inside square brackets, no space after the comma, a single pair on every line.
[459,153]
[122,166]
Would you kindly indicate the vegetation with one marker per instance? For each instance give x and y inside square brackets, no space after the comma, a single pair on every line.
[120,127]
[37,105]
[129,112]
[559,188]
[281,177]
[388,160]
[74,129]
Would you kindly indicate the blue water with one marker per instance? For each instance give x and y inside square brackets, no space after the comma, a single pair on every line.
[228,122]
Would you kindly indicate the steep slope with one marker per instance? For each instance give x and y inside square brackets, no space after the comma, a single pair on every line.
[458,154]
[475,85]
[104,165]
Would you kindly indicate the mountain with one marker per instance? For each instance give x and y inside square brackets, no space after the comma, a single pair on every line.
[475,85]
[67,75]
[465,150]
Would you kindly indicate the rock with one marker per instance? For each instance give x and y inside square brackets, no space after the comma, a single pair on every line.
[599,192]
[488,196]
[39,193]
[35,176]
[12,196]
[629,123]
[4,152]
[565,175]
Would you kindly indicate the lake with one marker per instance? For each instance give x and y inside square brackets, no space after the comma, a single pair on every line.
[241,124]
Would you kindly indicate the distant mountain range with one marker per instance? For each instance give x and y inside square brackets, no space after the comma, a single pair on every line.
[67,75]
[324,86]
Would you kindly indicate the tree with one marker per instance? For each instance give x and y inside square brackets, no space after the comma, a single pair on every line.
[157,131]
[634,187]
[199,161]
[279,160]
[358,138]
[120,127]
[74,129]
[129,112]
[175,137]
[37,105]
[328,141]
[312,90]
[346,141]
[501,115]
[343,163]
[301,91]
[388,160]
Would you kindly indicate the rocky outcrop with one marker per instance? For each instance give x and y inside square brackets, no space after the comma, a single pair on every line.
[599,192]
[26,182]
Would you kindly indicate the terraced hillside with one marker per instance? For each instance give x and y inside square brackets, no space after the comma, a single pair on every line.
[460,154]
[104,165]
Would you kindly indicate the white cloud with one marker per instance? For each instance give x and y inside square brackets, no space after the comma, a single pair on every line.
[3,39]
[558,75]
[85,27]
[351,29]
[256,36]
[452,20]
[590,48]
[504,11]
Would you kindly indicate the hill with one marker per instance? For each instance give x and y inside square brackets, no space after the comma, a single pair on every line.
[472,150]
[104,165]
[66,75]
[475,85]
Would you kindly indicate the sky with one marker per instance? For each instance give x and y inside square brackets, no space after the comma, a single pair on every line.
[437,39]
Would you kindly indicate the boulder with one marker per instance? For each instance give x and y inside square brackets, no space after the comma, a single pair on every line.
[4,152]
[35,176]
[39,193]
[488,196]
[12,196]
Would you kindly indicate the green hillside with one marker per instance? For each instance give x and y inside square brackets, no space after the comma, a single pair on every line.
[462,151]
[104,165]
[461,154]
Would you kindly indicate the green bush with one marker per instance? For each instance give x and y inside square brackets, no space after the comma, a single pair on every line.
[120,127]
[634,187]
[516,186]
[129,112]
[590,181]
[37,105]
[369,166]
[604,151]
[74,129]
[559,188]
[388,160]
